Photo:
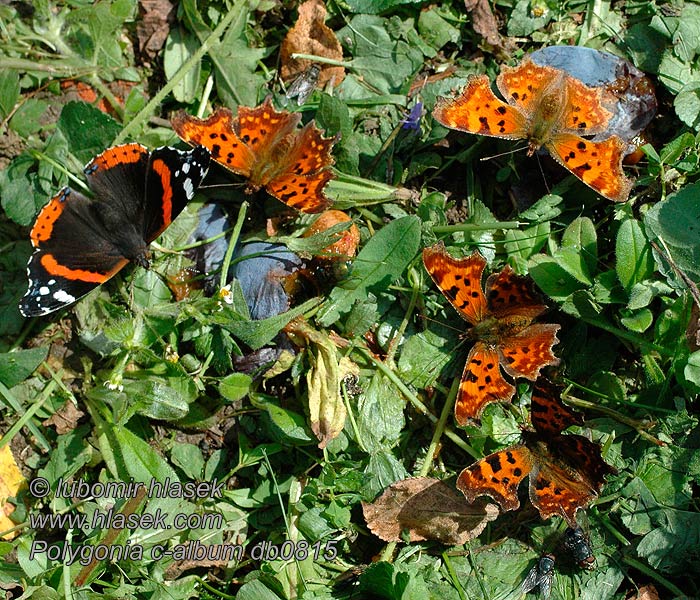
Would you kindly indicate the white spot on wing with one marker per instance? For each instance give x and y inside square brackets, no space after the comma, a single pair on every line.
[43,290]
[63,296]
[188,187]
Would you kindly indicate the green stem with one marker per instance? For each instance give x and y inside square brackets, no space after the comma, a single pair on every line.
[477,226]
[207,44]
[626,335]
[232,244]
[322,59]
[640,566]
[439,428]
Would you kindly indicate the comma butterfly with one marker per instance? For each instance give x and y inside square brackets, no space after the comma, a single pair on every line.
[502,325]
[264,146]
[549,108]
[566,471]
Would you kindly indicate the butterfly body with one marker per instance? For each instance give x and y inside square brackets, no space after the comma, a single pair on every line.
[565,471]
[547,108]
[501,317]
[265,146]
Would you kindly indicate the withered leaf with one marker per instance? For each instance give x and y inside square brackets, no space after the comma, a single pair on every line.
[311,35]
[153,26]
[65,419]
[11,481]
[485,24]
[428,509]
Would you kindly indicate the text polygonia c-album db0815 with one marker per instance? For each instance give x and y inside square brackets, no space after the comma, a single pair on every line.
[502,327]
[265,146]
[549,108]
[566,471]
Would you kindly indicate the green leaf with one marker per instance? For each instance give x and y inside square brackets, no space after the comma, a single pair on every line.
[189,458]
[257,334]
[286,425]
[235,386]
[375,7]
[581,236]
[551,278]
[9,91]
[235,62]
[16,366]
[88,130]
[179,48]
[385,63]
[27,118]
[639,320]
[383,259]
[687,104]
[676,221]
[691,371]
[422,358]
[380,414]
[634,261]
[156,400]
[436,30]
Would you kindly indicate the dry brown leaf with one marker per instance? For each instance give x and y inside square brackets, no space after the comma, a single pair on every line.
[646,592]
[11,481]
[428,509]
[153,27]
[310,35]
[485,24]
[65,419]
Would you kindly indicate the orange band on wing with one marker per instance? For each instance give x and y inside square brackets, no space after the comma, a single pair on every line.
[54,268]
[164,172]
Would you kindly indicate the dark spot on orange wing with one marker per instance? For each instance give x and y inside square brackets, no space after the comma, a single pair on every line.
[224,137]
[213,135]
[582,125]
[517,471]
[215,151]
[581,145]
[501,110]
[494,462]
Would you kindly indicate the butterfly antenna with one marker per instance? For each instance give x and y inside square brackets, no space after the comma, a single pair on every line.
[544,177]
[503,153]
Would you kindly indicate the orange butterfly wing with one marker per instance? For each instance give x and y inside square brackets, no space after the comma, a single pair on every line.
[525,353]
[572,471]
[481,384]
[498,476]
[597,164]
[478,110]
[217,134]
[522,85]
[304,172]
[459,279]
[585,111]
[262,144]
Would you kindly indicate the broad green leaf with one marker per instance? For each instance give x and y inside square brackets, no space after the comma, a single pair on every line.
[27,118]
[285,425]
[189,458]
[156,400]
[257,334]
[88,130]
[551,278]
[676,222]
[235,386]
[639,320]
[422,358]
[383,259]
[687,104]
[9,91]
[380,414]
[692,368]
[581,236]
[436,30]
[16,366]
[179,48]
[634,260]
[374,7]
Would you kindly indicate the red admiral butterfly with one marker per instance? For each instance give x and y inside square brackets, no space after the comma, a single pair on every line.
[80,243]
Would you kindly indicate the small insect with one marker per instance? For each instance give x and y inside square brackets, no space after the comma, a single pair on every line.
[304,85]
[541,575]
[577,544]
